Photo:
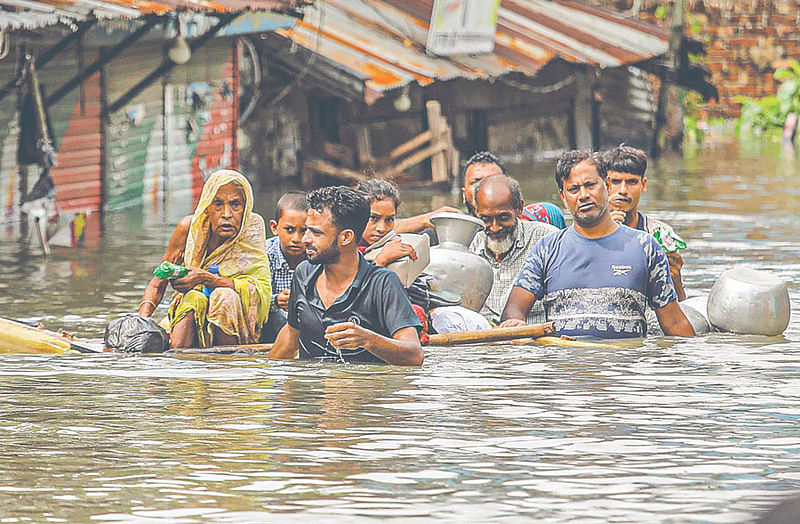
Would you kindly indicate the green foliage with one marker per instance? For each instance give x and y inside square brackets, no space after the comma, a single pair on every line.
[661,12]
[692,133]
[769,113]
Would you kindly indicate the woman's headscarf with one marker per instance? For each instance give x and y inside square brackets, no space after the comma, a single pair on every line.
[545,212]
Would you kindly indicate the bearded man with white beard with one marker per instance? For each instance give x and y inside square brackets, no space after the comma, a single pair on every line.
[505,240]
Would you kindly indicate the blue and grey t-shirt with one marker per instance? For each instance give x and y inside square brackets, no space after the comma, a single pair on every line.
[598,287]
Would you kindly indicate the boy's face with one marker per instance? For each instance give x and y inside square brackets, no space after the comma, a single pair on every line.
[381,221]
[290,229]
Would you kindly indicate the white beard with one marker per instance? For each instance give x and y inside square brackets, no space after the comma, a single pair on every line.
[501,247]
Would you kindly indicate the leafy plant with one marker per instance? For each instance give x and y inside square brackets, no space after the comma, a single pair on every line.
[769,113]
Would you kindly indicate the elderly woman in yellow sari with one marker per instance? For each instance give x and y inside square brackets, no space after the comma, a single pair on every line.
[223,231]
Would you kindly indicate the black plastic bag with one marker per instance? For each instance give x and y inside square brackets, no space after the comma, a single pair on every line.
[132,333]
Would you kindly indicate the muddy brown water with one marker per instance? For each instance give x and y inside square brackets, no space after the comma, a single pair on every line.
[664,430]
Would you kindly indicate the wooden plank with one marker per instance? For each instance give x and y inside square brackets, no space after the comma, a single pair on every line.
[408,146]
[492,335]
[16,337]
[414,159]
[339,152]
[439,159]
[326,168]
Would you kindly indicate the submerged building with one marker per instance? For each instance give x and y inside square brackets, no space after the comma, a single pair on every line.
[145,102]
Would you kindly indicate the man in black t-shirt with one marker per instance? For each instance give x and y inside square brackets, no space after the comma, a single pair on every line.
[342,307]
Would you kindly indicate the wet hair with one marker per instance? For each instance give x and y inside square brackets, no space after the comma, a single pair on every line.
[376,189]
[626,159]
[570,159]
[482,157]
[513,186]
[349,207]
[293,200]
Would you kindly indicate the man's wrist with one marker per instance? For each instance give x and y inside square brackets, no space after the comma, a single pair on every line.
[373,340]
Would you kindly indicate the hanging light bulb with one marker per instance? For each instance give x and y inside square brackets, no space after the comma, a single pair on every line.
[403,102]
[179,51]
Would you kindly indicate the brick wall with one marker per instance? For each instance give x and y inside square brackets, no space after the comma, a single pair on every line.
[745,41]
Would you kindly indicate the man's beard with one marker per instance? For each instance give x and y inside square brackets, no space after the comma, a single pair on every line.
[325,257]
[501,247]
[591,220]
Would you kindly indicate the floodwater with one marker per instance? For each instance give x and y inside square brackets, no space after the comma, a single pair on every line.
[667,430]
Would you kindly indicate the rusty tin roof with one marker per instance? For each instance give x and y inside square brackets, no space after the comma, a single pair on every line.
[36,14]
[383,42]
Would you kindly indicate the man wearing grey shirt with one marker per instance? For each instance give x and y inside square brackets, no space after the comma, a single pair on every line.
[505,240]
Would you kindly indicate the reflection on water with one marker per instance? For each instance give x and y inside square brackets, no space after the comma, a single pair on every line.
[704,429]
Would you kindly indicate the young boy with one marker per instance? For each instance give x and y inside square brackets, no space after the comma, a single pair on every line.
[285,251]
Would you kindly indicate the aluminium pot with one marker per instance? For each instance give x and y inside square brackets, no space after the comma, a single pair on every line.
[453,266]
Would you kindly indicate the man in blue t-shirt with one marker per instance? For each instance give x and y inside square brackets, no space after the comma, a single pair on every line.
[596,277]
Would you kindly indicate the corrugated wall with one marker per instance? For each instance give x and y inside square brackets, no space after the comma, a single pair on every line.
[135,134]
[627,108]
[195,103]
[201,100]
[76,125]
[9,139]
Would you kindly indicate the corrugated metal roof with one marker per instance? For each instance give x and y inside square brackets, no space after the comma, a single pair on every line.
[383,42]
[34,14]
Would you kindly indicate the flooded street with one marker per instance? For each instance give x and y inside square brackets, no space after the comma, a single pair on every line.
[705,429]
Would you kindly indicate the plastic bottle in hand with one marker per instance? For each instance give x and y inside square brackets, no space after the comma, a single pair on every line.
[169,271]
[669,240]
[213,268]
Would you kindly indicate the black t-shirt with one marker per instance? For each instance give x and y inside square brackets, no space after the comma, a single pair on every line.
[375,300]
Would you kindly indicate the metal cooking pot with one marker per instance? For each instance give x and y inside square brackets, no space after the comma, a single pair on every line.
[745,300]
[695,310]
[453,266]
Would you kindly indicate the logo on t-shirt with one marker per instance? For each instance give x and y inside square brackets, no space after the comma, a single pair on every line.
[620,271]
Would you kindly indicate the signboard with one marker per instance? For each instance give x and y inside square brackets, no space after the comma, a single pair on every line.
[461,27]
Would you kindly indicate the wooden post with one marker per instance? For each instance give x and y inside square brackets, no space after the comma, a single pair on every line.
[668,91]
[439,160]
[364,146]
[582,112]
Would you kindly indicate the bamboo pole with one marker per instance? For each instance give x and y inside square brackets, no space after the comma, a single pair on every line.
[440,339]
[492,335]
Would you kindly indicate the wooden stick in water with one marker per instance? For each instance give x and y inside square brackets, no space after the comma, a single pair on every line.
[222,350]
[492,335]
[440,339]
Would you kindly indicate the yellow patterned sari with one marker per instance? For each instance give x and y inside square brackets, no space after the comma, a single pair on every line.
[241,311]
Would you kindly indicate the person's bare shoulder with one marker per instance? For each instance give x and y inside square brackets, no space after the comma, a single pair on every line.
[177,242]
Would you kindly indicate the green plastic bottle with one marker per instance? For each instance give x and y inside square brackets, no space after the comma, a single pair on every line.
[168,270]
